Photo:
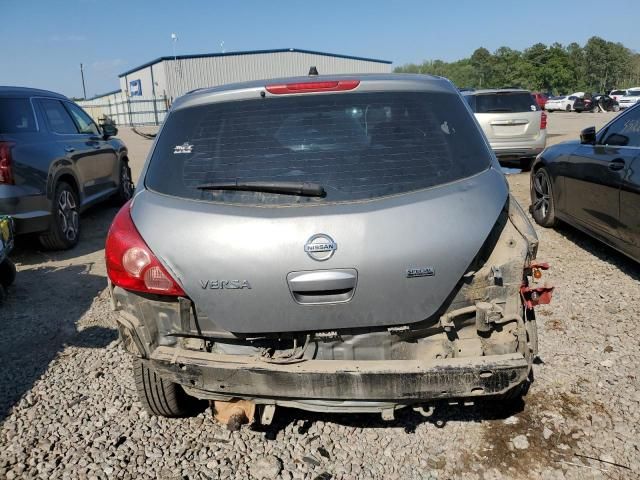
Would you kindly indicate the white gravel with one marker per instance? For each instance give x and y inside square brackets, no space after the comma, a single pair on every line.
[69,410]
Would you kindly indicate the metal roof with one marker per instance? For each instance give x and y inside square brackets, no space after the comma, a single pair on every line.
[100,95]
[250,52]
[28,92]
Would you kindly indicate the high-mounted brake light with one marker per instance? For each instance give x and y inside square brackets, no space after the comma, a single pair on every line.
[543,121]
[6,171]
[130,262]
[310,87]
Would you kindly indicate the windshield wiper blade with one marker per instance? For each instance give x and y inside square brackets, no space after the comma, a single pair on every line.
[305,189]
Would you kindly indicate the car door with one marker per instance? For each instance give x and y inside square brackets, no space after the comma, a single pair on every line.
[629,127]
[594,177]
[72,144]
[104,158]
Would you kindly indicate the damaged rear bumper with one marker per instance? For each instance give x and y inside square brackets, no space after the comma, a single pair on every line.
[329,384]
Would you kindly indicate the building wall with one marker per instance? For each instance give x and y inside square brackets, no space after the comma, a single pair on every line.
[157,88]
[184,75]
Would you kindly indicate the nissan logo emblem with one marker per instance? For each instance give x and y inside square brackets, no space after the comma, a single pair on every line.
[320,247]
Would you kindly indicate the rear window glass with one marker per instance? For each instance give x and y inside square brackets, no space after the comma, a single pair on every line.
[355,145]
[617,92]
[16,115]
[503,102]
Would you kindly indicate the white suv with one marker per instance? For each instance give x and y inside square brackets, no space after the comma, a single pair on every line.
[512,122]
[630,99]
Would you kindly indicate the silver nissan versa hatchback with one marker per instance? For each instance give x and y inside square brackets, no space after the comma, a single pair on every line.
[327,243]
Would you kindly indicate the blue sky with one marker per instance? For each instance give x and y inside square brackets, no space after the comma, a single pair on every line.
[43,42]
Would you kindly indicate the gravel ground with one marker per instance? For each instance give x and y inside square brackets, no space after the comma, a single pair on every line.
[69,410]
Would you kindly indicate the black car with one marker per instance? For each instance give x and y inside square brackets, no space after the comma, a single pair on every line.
[594,183]
[596,102]
[54,163]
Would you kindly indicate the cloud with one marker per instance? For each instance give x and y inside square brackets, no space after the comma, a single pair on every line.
[67,38]
[108,64]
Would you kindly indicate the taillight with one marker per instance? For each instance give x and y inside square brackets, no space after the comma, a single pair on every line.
[543,121]
[130,262]
[309,87]
[6,172]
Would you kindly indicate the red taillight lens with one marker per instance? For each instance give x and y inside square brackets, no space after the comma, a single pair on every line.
[130,262]
[6,172]
[309,87]
[543,121]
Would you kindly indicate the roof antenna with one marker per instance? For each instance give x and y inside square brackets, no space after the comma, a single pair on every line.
[313,71]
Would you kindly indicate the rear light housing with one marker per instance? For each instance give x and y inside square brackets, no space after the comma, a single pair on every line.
[311,87]
[130,262]
[6,170]
[543,121]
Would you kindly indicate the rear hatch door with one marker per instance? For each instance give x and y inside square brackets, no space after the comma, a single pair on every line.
[507,116]
[410,199]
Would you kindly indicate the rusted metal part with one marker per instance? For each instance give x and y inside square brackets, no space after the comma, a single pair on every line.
[536,295]
[402,380]
[234,413]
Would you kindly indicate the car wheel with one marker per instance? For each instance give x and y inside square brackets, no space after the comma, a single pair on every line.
[125,188]
[162,397]
[568,108]
[543,209]
[7,273]
[64,231]
[616,108]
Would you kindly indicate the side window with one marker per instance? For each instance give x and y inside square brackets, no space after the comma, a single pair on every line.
[58,117]
[624,132]
[84,121]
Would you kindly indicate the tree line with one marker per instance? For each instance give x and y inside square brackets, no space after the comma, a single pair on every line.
[599,66]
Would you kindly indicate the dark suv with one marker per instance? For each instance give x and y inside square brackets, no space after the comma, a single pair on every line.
[54,163]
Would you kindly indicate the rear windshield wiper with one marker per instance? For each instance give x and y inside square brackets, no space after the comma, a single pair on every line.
[305,189]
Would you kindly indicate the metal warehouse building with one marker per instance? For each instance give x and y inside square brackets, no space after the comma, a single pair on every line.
[147,91]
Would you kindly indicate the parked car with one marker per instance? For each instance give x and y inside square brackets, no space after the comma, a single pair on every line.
[596,102]
[7,267]
[514,125]
[280,249]
[54,163]
[541,99]
[617,94]
[562,102]
[630,99]
[594,183]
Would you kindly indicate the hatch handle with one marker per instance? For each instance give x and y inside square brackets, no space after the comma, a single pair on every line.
[322,280]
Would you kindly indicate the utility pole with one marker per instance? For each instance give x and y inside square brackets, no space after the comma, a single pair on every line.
[84,89]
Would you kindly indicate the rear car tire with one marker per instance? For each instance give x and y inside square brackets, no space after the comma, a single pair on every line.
[568,108]
[162,397]
[7,273]
[64,231]
[542,204]
[125,187]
